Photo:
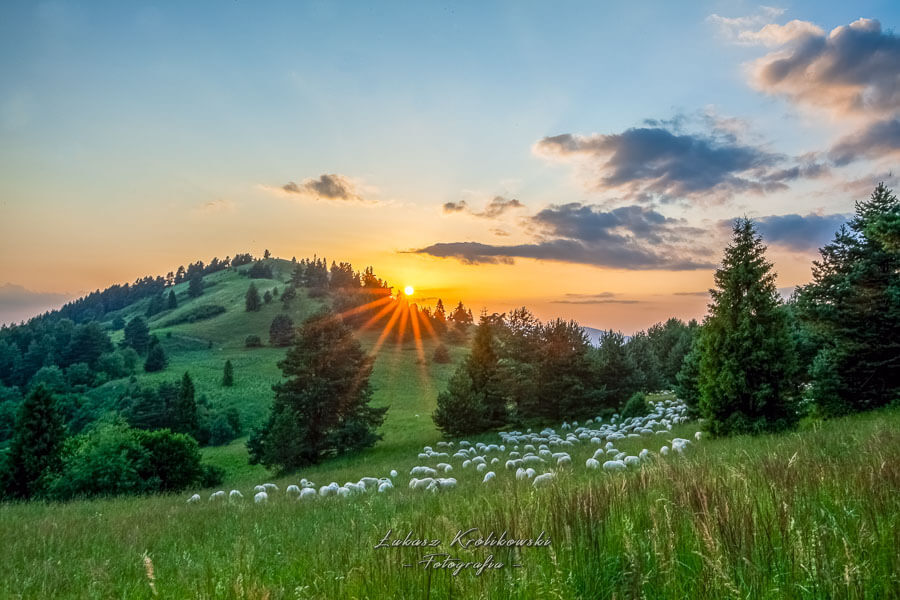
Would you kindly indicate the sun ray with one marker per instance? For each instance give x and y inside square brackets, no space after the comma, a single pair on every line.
[387,329]
[378,316]
[417,333]
[404,317]
[367,306]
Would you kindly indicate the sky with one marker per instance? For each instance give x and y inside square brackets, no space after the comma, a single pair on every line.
[581,159]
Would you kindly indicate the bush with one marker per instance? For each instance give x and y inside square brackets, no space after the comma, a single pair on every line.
[260,270]
[220,430]
[637,406]
[442,355]
[198,313]
[252,341]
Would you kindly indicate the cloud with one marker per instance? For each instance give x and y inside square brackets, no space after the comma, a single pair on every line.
[630,237]
[325,187]
[18,303]
[732,27]
[495,208]
[874,141]
[219,205]
[853,70]
[601,298]
[663,162]
[500,232]
[799,233]
[703,293]
[742,30]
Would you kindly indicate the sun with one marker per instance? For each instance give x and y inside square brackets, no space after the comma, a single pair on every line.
[409,290]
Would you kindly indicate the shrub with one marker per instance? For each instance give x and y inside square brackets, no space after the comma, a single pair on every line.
[442,355]
[198,313]
[252,341]
[637,406]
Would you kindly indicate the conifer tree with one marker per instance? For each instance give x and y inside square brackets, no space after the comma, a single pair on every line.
[747,357]
[184,409]
[137,335]
[156,356]
[252,301]
[321,407]
[195,286]
[34,453]
[172,301]
[228,374]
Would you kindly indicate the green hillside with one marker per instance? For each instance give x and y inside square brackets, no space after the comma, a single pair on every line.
[202,347]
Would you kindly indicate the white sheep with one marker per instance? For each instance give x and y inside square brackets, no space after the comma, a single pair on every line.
[698,435]
[393,473]
[217,495]
[614,465]
[489,476]
[385,486]
[632,461]
[529,473]
[592,463]
[194,499]
[261,498]
[270,487]
[664,451]
[481,467]
[520,473]
[564,461]
[235,495]
[307,493]
[292,489]
[542,479]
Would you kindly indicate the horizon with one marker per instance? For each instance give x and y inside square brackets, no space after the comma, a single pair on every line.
[502,156]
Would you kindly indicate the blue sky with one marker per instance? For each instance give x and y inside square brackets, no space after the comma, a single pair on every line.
[135,137]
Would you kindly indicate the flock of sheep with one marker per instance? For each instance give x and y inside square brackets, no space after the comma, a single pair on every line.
[529,453]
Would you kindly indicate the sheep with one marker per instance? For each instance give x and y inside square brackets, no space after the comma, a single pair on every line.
[194,499]
[261,498]
[343,491]
[520,473]
[427,471]
[445,467]
[495,460]
[235,495]
[327,490]
[420,484]
[393,473]
[270,487]
[489,476]
[698,435]
[632,461]
[466,464]
[614,465]
[512,464]
[592,463]
[531,459]
[292,489]
[259,488]
[217,495]
[481,467]
[564,461]
[542,479]
[529,473]
[384,486]
[644,454]
[307,493]
[664,451]
[368,482]
[446,483]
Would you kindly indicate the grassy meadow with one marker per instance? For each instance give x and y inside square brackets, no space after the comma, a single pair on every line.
[813,514]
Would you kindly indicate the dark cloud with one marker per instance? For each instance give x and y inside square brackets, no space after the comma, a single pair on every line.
[855,69]
[500,232]
[18,303]
[328,187]
[876,140]
[798,232]
[663,163]
[496,207]
[630,237]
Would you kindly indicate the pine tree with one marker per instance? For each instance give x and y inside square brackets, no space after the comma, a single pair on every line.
[321,407]
[228,374]
[281,331]
[172,301]
[195,286]
[184,409]
[156,357]
[852,311]
[137,335]
[34,453]
[252,301]
[747,358]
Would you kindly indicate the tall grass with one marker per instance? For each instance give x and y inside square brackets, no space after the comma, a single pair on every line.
[814,514]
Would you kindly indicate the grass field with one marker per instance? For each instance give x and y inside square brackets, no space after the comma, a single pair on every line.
[814,514]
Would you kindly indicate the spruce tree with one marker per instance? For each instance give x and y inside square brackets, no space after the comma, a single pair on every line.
[321,407]
[252,301]
[228,374]
[172,301]
[852,311]
[747,358]
[184,409]
[195,286]
[137,335]
[34,453]
[156,357]
[281,331]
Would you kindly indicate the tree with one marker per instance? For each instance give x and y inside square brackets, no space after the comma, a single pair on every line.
[252,301]
[266,254]
[686,387]
[252,341]
[321,407]
[566,376]
[195,286]
[228,374]
[137,335]
[184,409]
[615,369]
[34,453]
[474,400]
[281,331]
[172,300]
[442,355]
[747,357]
[852,311]
[267,297]
[156,357]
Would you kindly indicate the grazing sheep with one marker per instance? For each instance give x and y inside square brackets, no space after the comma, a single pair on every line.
[385,486]
[664,451]
[343,491]
[520,473]
[542,479]
[292,489]
[270,487]
[495,460]
[261,498]
[592,463]
[466,464]
[368,482]
[481,467]
[194,499]
[644,454]
[698,435]
[217,495]
[259,488]
[421,484]
[445,467]
[426,471]
[564,461]
[307,493]
[489,476]
[393,473]
[235,495]
[529,473]
[614,465]
[632,461]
